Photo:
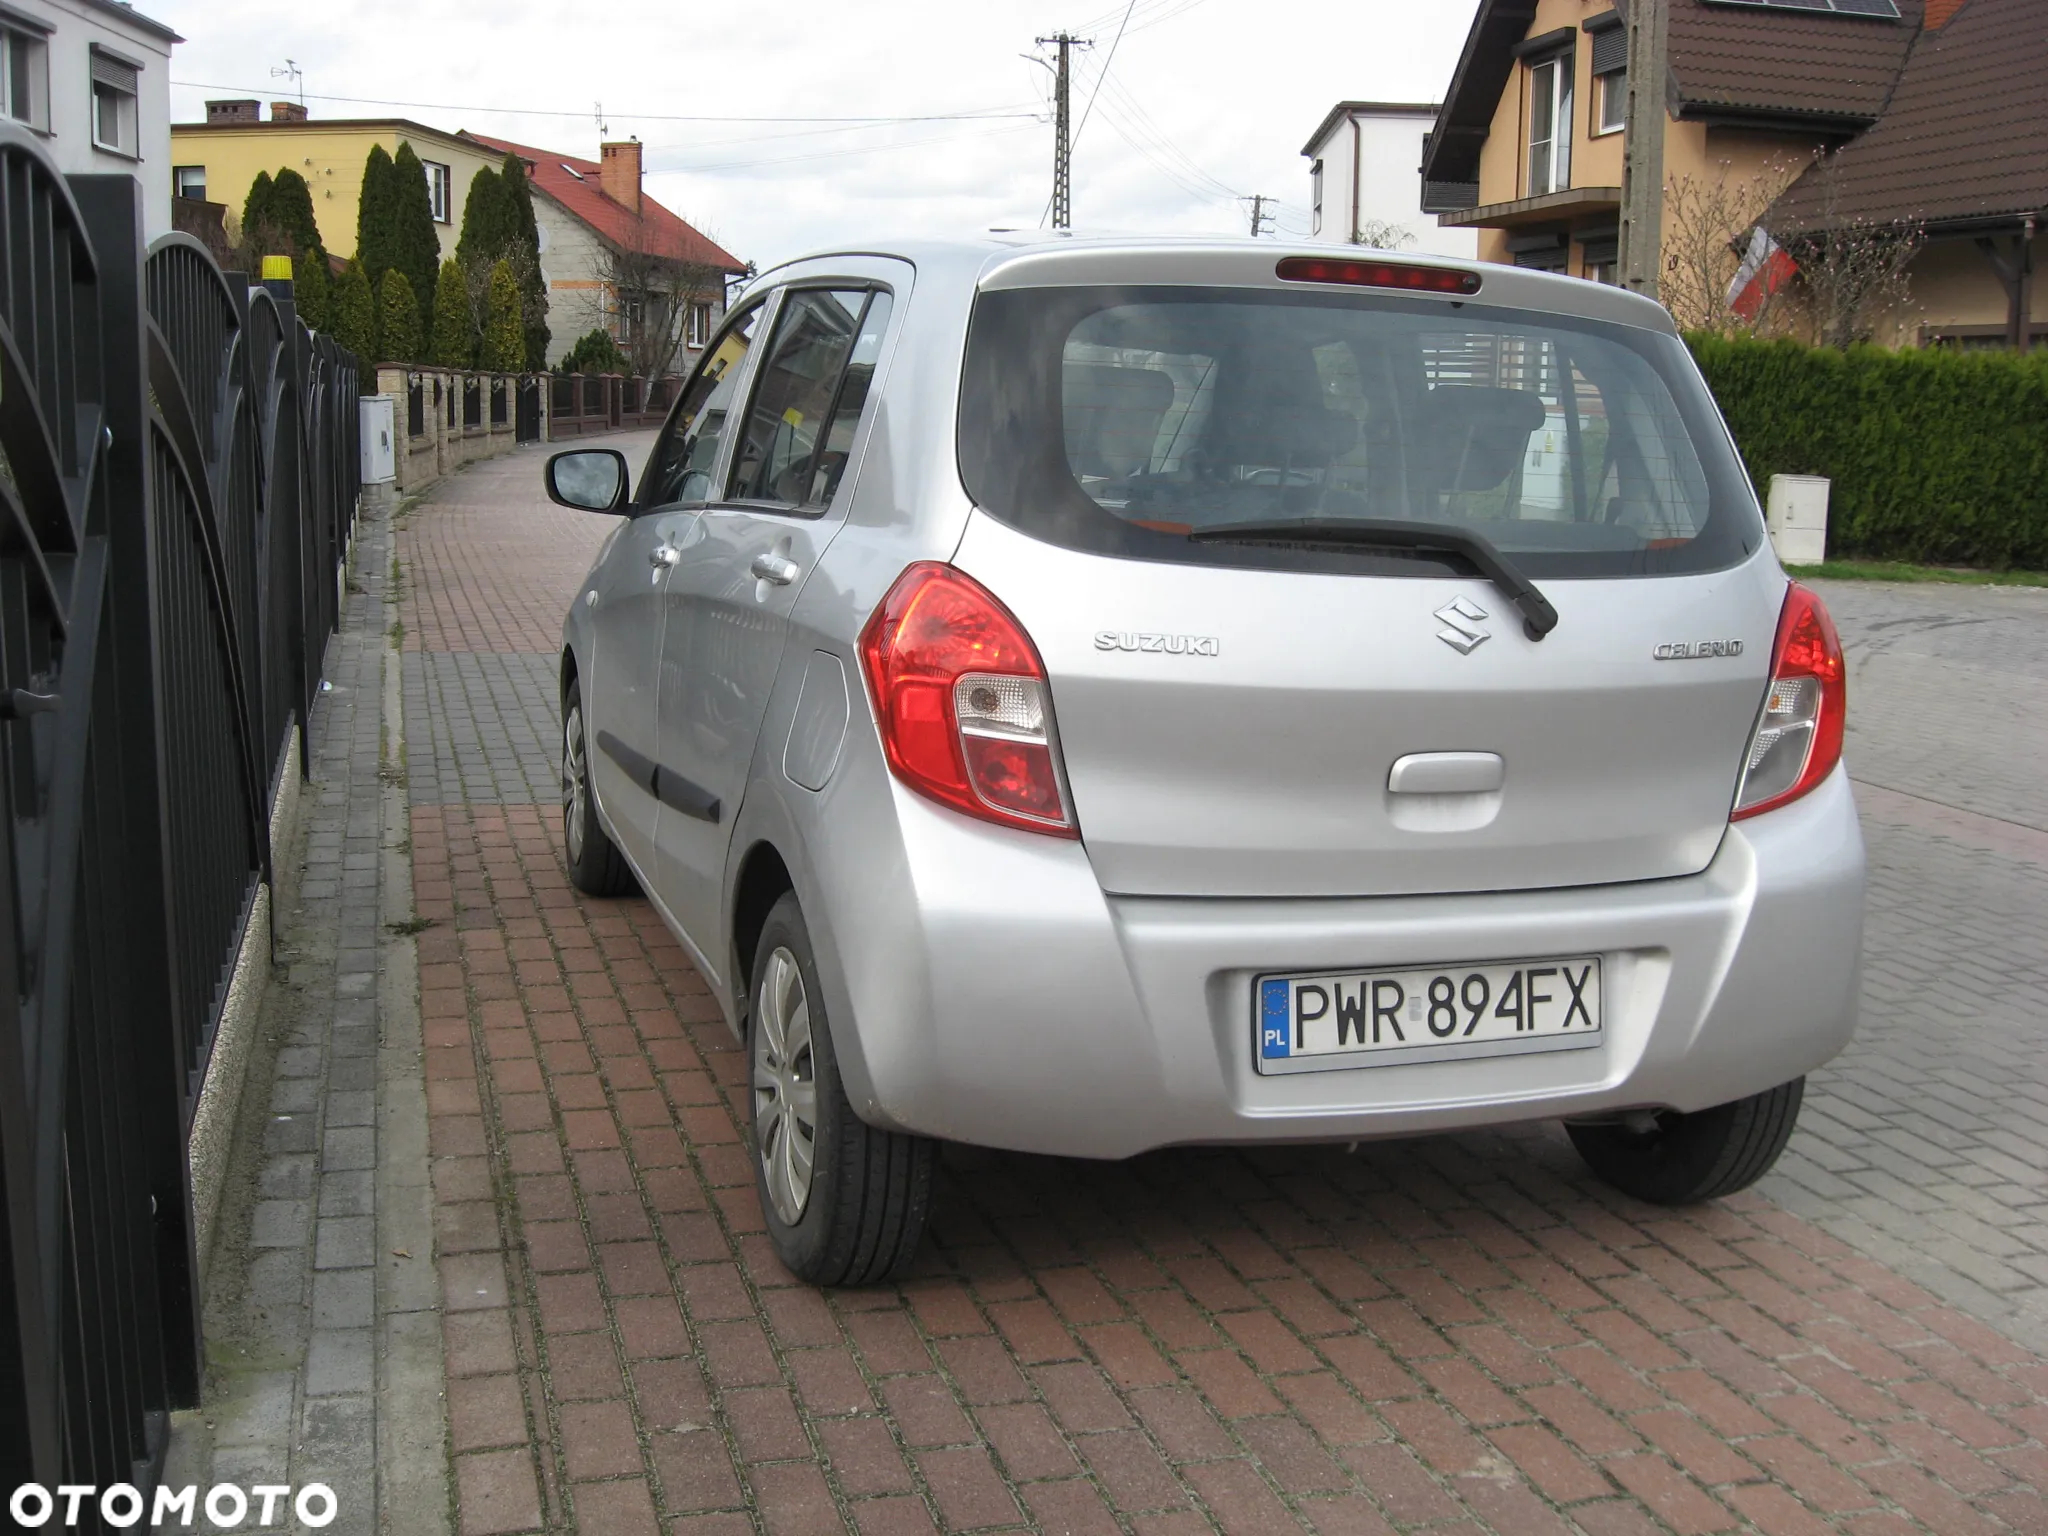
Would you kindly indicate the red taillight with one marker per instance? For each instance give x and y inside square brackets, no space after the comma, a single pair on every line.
[1377,274]
[961,696]
[1798,737]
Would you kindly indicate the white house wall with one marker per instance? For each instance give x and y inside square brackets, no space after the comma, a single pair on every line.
[1389,185]
[74,28]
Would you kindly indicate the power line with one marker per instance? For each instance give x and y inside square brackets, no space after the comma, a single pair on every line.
[645,117]
[834,154]
[1260,218]
[1107,61]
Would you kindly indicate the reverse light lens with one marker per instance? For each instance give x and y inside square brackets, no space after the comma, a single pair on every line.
[961,697]
[1798,737]
[1377,274]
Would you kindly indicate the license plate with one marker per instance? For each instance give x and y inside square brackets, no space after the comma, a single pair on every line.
[1429,1013]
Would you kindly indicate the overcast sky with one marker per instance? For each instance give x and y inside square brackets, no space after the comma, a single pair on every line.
[1205,101]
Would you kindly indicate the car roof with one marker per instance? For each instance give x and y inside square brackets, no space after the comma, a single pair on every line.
[1003,258]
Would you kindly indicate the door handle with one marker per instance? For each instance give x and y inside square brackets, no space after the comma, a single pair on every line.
[663,555]
[775,568]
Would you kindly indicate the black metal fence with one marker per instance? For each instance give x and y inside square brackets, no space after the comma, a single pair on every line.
[180,487]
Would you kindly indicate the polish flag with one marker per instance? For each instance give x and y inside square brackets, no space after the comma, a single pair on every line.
[1765,269]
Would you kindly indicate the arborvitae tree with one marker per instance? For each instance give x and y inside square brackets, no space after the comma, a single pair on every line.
[376,218]
[398,319]
[453,345]
[256,207]
[417,252]
[533,291]
[504,347]
[487,220]
[291,210]
[312,289]
[352,317]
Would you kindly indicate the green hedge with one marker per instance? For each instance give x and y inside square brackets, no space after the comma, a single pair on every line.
[1936,456]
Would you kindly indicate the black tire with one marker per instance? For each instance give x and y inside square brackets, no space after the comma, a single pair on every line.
[596,867]
[1702,1156]
[859,1218]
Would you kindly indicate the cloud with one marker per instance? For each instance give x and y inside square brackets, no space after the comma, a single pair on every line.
[1208,100]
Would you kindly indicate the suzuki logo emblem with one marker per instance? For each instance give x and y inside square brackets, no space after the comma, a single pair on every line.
[1459,616]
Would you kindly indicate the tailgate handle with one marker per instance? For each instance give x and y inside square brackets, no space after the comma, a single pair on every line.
[1446,773]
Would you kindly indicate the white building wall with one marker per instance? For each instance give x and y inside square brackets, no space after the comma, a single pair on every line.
[62,119]
[1388,185]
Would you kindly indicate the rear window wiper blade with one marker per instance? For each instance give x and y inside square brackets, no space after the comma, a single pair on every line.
[1399,537]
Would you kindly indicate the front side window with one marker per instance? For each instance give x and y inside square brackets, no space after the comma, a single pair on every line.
[1140,422]
[680,469]
[782,455]
[1550,125]
[439,191]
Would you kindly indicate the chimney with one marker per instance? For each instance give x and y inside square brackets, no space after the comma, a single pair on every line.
[234,112]
[1940,12]
[287,112]
[619,174]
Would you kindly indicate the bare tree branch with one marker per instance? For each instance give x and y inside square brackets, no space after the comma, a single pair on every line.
[1707,222]
[649,294]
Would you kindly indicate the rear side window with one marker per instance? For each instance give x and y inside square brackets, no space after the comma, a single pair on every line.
[814,380]
[1123,420]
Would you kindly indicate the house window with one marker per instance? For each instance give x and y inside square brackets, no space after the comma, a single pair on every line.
[440,192]
[1315,202]
[113,104]
[697,328]
[1550,125]
[1611,92]
[189,181]
[24,77]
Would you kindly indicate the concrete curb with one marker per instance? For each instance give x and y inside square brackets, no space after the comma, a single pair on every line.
[413,1493]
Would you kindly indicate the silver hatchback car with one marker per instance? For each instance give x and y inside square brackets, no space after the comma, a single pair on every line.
[1084,696]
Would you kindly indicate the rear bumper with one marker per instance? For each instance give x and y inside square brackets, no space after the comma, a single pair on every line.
[1013,1004]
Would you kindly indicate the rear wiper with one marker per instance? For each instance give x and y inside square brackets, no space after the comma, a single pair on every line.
[1538,617]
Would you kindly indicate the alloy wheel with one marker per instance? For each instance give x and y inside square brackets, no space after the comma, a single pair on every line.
[574,770]
[785,1087]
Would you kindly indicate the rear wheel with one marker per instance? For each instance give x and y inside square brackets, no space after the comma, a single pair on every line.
[845,1203]
[1679,1159]
[596,866]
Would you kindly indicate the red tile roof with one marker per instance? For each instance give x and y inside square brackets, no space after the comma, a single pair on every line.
[1963,138]
[574,184]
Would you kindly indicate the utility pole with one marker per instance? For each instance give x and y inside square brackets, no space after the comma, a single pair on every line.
[1260,218]
[1062,144]
[1642,175]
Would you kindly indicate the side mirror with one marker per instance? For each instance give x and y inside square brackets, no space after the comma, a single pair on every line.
[588,479]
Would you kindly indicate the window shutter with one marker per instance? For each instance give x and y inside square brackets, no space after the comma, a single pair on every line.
[1610,50]
[111,71]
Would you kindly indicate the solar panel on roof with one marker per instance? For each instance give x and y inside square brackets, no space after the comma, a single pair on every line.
[1886,9]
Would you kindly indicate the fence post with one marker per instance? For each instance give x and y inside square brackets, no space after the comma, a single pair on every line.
[111,207]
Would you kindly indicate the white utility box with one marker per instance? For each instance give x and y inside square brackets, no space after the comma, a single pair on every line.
[1797,515]
[380,457]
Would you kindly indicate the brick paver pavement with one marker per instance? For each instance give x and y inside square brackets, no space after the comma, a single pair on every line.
[1452,1334]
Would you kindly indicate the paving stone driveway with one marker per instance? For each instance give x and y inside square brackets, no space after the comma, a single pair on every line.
[1454,1334]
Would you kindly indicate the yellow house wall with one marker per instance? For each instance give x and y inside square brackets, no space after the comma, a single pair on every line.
[1952,284]
[331,159]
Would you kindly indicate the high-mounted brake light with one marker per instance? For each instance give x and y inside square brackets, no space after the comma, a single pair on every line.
[961,696]
[1798,736]
[1377,274]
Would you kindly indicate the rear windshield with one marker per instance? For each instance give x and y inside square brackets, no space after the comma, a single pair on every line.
[1122,420]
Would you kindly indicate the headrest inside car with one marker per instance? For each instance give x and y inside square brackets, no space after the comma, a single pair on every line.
[1472,435]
